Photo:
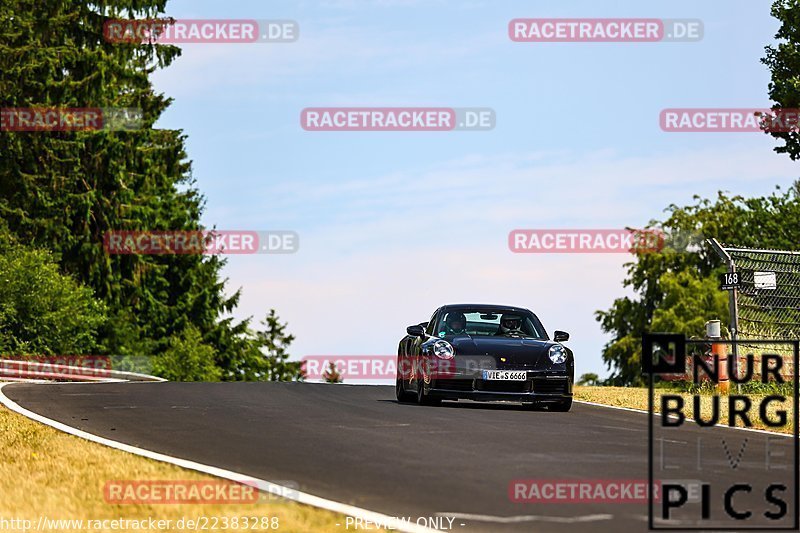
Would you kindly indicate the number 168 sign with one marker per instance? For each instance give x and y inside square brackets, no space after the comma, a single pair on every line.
[729,281]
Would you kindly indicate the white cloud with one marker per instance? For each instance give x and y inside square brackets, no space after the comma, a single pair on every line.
[550,189]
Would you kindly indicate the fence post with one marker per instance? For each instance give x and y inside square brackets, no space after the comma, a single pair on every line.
[733,307]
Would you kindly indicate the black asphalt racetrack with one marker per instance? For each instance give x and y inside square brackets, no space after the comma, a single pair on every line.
[357,445]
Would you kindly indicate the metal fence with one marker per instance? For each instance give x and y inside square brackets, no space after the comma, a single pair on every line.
[764,300]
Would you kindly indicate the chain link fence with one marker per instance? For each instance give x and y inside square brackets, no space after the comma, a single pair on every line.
[764,299]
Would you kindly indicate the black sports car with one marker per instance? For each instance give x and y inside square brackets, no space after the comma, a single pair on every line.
[485,353]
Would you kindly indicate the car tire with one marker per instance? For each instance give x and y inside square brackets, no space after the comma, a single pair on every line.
[403,396]
[562,406]
[424,398]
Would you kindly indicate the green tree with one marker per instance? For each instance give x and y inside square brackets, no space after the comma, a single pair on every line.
[688,302]
[590,379]
[42,311]
[783,60]
[273,356]
[676,290]
[187,358]
[64,190]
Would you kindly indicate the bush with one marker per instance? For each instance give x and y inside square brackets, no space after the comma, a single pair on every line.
[42,311]
[187,358]
[590,379]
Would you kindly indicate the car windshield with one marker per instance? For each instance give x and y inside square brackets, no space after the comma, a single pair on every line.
[489,323]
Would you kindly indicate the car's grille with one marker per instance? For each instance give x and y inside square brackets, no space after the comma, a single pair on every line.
[454,384]
[549,386]
[503,386]
[537,385]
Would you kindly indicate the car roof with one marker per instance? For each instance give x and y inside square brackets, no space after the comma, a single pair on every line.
[485,306]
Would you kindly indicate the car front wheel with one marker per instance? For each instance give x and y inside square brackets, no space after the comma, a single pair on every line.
[423,398]
[403,396]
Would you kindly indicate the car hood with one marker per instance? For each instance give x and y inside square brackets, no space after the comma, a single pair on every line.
[507,352]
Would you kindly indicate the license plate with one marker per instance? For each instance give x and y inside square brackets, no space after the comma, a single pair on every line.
[505,375]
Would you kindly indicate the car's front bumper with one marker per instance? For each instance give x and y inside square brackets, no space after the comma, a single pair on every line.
[537,388]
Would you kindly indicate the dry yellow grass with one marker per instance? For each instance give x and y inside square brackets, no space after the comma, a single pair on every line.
[636,398]
[48,473]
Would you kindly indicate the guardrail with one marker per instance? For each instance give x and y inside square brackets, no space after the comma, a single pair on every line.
[16,370]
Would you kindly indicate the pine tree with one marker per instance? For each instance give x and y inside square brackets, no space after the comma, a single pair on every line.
[274,364]
[64,190]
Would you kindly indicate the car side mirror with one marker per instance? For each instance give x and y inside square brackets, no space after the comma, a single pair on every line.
[560,336]
[416,331]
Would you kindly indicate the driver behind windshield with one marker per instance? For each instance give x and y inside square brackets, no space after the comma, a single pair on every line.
[456,323]
[510,325]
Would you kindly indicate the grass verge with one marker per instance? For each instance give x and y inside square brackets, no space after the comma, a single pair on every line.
[47,473]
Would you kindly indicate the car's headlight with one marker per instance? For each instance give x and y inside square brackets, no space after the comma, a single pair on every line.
[443,350]
[558,354]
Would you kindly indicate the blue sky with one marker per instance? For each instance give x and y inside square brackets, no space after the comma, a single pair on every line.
[393,224]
